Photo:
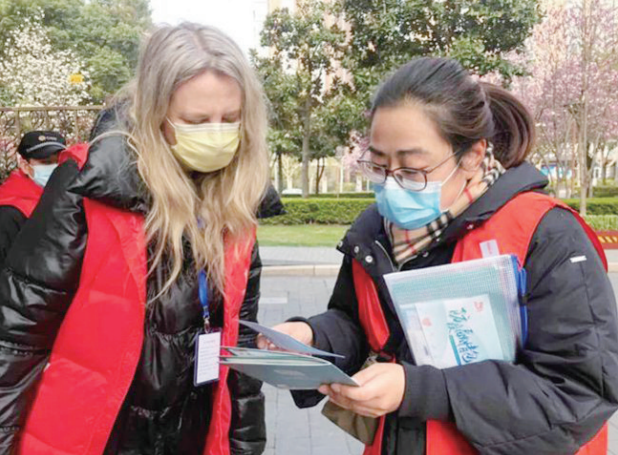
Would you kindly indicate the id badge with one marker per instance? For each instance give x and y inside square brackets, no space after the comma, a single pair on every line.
[207,351]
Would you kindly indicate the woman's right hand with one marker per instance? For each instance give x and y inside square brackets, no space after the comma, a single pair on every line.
[300,331]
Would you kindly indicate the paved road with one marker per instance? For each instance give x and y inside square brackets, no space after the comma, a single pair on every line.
[290,255]
[292,431]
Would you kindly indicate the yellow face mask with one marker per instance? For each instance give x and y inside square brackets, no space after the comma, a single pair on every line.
[208,147]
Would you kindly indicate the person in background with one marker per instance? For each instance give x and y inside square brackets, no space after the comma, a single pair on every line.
[20,193]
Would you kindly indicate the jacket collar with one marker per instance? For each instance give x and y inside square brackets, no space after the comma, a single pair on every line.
[110,173]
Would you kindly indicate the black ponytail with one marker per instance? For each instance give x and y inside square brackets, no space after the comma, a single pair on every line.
[465,111]
[514,130]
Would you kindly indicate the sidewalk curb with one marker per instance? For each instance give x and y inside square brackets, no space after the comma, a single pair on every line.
[301,270]
[333,270]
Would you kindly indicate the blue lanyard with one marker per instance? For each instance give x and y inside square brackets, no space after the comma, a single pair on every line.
[202,281]
[203,293]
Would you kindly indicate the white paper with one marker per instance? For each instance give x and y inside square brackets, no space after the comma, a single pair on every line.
[207,358]
[459,331]
[461,313]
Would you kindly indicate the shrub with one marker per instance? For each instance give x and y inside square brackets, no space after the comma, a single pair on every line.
[601,211]
[605,191]
[320,211]
[597,206]
[363,195]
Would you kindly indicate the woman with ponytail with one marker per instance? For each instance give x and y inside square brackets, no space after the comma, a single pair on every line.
[447,157]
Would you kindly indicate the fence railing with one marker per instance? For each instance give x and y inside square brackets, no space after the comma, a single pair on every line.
[74,122]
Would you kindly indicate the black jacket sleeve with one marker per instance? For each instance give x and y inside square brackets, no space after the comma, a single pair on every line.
[338,330]
[248,430]
[11,222]
[38,281]
[564,385]
[271,204]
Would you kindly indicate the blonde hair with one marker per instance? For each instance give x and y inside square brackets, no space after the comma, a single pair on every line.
[227,201]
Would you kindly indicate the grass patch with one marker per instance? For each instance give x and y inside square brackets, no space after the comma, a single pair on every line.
[603,222]
[301,235]
[329,235]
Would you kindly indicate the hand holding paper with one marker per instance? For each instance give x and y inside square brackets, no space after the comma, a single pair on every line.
[291,368]
[381,389]
[286,342]
[301,331]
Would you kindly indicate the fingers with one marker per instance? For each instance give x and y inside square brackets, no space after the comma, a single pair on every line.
[350,397]
[262,342]
[366,392]
[371,398]
[300,331]
[368,374]
[369,388]
[265,343]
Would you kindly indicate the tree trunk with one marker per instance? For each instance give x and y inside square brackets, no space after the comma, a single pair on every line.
[574,167]
[583,113]
[604,160]
[306,151]
[280,172]
[583,178]
[341,173]
[319,173]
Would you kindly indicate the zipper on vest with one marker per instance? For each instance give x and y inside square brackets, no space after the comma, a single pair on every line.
[404,263]
[393,268]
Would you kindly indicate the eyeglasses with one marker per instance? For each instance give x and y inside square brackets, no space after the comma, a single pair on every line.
[408,178]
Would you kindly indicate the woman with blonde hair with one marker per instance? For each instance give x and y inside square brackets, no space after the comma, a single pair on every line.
[139,263]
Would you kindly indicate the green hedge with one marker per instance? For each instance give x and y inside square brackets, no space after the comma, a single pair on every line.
[599,191]
[320,211]
[597,206]
[345,211]
[605,191]
[363,195]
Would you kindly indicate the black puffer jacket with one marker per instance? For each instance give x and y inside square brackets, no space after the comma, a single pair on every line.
[564,385]
[11,222]
[163,413]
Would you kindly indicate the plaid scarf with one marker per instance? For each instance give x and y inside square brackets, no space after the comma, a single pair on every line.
[409,244]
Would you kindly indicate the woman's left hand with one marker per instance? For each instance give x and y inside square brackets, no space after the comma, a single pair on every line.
[381,390]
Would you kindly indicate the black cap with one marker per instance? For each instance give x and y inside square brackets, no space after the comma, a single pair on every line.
[40,144]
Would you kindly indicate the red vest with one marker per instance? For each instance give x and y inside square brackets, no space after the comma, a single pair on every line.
[513,234]
[21,192]
[77,153]
[99,343]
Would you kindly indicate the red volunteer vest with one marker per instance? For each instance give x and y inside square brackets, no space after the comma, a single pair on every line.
[99,343]
[21,192]
[512,227]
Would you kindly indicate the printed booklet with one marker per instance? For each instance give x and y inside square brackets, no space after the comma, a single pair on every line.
[294,367]
[463,312]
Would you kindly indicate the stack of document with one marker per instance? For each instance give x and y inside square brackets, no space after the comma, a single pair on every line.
[461,313]
[294,368]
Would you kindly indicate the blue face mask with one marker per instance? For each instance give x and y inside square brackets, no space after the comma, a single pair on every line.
[42,173]
[409,209]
